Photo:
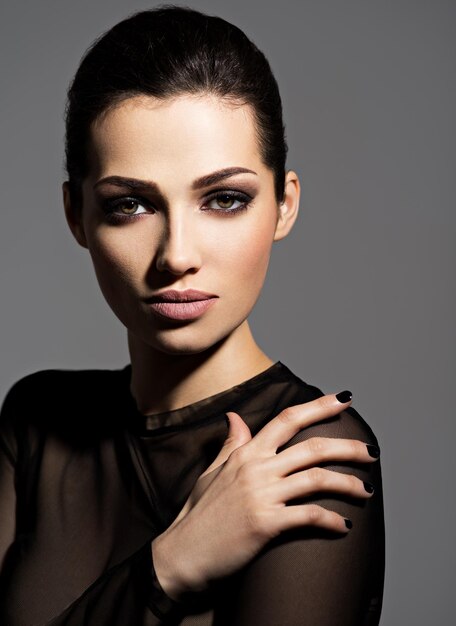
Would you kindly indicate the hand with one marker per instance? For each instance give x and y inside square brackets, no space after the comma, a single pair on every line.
[239,503]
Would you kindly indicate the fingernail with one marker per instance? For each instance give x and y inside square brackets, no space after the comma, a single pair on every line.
[348,522]
[373,450]
[369,487]
[344,396]
[227,421]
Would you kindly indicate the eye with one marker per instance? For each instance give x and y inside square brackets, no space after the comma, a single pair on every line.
[225,199]
[125,208]
[128,206]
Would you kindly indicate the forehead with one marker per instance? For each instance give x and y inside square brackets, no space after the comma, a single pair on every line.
[188,132]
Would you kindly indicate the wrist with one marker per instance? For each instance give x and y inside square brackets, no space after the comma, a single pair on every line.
[169,570]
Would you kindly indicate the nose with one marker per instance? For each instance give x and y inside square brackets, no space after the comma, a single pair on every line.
[179,250]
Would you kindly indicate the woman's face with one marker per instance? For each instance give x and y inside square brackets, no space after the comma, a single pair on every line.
[171,232]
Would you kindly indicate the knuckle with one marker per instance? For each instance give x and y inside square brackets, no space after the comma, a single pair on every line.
[314,513]
[316,445]
[317,475]
[239,455]
[288,415]
[247,472]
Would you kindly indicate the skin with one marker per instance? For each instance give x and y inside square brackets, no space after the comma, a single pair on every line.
[245,491]
[174,243]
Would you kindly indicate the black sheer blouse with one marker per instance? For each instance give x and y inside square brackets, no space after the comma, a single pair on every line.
[87,481]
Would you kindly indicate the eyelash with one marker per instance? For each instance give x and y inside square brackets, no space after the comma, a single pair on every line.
[110,204]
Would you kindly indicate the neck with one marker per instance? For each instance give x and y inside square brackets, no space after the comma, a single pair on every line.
[163,382]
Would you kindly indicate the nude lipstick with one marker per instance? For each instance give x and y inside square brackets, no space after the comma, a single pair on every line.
[181,305]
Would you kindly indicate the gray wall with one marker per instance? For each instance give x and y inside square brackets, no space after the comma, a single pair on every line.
[358,296]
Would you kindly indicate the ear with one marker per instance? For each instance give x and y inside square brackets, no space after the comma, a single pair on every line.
[288,209]
[73,217]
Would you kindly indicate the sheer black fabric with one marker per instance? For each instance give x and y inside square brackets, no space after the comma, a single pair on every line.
[87,481]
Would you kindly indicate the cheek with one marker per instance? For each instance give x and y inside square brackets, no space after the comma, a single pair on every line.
[114,262]
[246,257]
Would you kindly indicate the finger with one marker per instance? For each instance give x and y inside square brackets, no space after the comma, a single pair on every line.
[238,434]
[320,449]
[296,516]
[318,479]
[294,418]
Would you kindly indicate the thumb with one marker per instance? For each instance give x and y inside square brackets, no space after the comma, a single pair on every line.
[238,434]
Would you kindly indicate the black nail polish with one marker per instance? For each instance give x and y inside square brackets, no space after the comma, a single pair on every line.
[344,396]
[369,487]
[348,522]
[227,421]
[373,450]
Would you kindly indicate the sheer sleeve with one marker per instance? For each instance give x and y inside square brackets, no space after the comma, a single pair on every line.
[76,520]
[127,593]
[313,577]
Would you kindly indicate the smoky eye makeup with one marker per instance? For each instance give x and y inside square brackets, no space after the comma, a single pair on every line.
[111,206]
[120,208]
[227,196]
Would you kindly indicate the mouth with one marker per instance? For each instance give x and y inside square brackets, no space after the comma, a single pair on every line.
[176,296]
[174,304]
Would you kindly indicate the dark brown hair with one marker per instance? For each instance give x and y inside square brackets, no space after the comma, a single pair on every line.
[164,52]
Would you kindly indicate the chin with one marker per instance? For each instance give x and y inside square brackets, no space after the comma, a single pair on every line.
[180,348]
[188,339]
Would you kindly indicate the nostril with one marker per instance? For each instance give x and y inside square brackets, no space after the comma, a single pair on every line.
[176,265]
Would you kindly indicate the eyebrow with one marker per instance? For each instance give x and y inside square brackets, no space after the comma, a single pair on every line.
[149,185]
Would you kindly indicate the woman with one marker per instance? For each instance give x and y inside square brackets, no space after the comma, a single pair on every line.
[126,498]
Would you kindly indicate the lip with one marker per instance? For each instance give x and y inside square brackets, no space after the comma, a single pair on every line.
[174,304]
[175,295]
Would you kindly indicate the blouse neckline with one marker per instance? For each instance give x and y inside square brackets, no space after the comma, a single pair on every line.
[194,412]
